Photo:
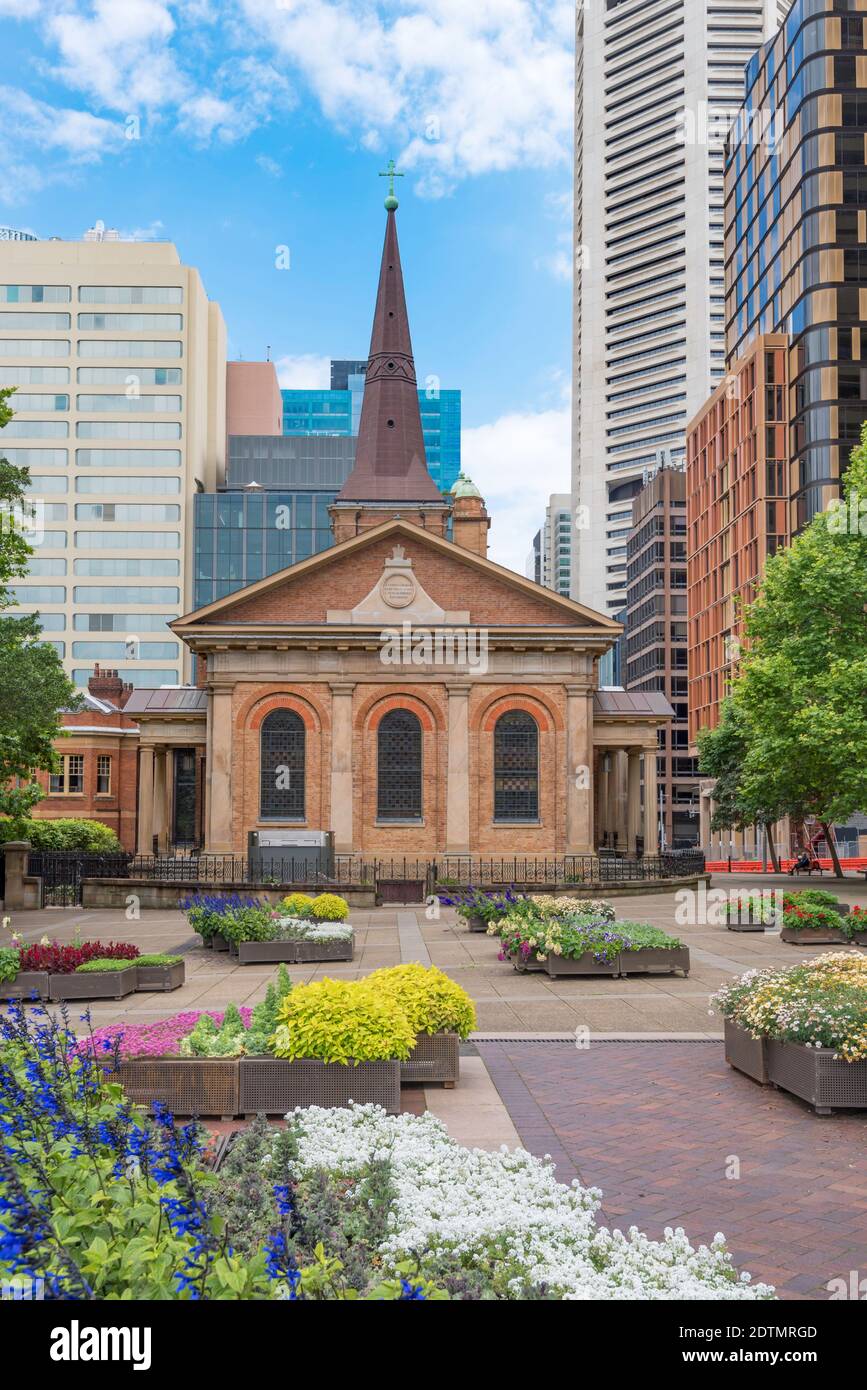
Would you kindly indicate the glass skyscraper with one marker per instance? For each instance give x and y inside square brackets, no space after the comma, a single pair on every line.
[338,411]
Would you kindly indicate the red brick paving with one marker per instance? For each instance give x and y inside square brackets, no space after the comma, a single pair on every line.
[654,1125]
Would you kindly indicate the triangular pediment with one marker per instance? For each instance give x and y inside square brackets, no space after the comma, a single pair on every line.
[393,573]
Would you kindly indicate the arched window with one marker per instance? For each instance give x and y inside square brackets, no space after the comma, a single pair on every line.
[398,781]
[516,767]
[281,763]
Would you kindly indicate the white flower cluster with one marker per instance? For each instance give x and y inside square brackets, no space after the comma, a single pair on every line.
[506,1210]
[302,929]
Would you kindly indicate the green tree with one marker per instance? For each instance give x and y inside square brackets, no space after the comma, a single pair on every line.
[33,684]
[721,754]
[800,697]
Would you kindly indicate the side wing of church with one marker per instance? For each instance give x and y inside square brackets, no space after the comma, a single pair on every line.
[400,689]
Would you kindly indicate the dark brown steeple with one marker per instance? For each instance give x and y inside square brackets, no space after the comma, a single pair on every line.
[390,462]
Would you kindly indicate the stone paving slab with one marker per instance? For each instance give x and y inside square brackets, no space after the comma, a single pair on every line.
[655,1124]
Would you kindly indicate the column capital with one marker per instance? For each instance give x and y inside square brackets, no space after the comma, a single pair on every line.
[342,687]
[459,689]
[576,690]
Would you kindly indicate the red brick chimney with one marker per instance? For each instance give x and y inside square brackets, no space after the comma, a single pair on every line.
[107,685]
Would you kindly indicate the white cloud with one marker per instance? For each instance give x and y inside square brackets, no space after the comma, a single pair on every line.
[21,9]
[305,372]
[120,53]
[31,126]
[269,166]
[516,463]
[464,88]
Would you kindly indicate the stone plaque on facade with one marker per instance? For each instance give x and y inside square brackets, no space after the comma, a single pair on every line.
[398,590]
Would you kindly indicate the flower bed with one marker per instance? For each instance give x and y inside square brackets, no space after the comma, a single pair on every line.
[440,1014]
[342,1203]
[588,947]
[811,1024]
[306,929]
[298,940]
[813,918]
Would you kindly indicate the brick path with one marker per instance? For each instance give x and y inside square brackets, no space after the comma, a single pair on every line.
[654,1125]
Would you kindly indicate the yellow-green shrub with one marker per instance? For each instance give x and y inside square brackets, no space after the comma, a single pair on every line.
[432,1002]
[342,1021]
[297,904]
[330,907]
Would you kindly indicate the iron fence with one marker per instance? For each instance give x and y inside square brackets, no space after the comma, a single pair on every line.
[62,872]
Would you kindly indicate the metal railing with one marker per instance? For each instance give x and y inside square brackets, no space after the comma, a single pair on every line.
[62,872]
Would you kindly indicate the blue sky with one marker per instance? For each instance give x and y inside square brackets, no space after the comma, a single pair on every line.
[258,124]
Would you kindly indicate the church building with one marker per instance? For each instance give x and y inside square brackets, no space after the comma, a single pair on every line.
[399,689]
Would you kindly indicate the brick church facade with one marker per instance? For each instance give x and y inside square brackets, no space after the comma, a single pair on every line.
[399,689]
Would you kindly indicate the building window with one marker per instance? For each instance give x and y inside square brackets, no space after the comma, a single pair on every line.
[103,775]
[516,767]
[281,789]
[398,786]
[69,779]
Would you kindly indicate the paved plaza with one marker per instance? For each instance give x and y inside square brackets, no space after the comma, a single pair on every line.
[648,1111]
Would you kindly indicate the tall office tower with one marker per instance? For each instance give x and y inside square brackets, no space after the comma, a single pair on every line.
[657,82]
[550,558]
[796,226]
[338,411]
[119,360]
[655,640]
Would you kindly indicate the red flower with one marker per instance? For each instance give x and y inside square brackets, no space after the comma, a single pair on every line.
[59,959]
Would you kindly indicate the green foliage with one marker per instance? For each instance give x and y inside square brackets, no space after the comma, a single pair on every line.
[330,907]
[298,904]
[99,967]
[265,1014]
[10,963]
[249,924]
[432,1001]
[63,833]
[342,1021]
[799,701]
[15,551]
[159,960]
[209,1040]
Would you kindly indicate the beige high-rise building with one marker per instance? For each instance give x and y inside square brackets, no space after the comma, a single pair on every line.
[119,363]
[657,83]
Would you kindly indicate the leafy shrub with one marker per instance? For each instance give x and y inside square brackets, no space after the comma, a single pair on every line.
[102,966]
[265,1015]
[158,959]
[808,916]
[206,912]
[249,924]
[10,963]
[297,904]
[58,959]
[62,833]
[330,907]
[432,1001]
[342,1021]
[818,897]
[209,1040]
[162,1038]
[605,941]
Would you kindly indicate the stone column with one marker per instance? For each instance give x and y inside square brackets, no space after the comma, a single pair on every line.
[341,765]
[651,822]
[219,832]
[458,783]
[704,821]
[615,835]
[633,800]
[579,770]
[604,807]
[145,843]
[168,797]
[160,798]
[22,892]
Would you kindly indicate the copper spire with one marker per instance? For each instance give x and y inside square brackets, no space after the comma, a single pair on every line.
[390,461]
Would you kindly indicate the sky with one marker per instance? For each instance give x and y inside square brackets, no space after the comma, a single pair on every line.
[251,134]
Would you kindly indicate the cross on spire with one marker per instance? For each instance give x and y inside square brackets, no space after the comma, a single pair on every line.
[391,174]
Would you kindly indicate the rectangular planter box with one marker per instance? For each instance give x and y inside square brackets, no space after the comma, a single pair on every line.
[745,1053]
[812,936]
[114,984]
[584,965]
[294,952]
[273,1085]
[654,960]
[814,1073]
[186,1085]
[435,1057]
[476,923]
[525,966]
[160,977]
[24,985]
